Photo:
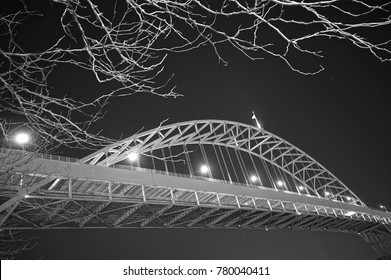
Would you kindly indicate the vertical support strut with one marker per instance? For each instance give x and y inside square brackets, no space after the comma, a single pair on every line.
[242,166]
[256,170]
[206,160]
[70,187]
[188,160]
[164,160]
[225,164]
[218,161]
[232,164]
[171,159]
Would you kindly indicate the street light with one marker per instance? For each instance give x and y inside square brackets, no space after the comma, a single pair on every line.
[280,183]
[22,138]
[204,169]
[133,156]
[301,188]
[254,178]
[383,207]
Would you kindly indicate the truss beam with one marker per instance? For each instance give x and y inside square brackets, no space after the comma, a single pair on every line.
[156,215]
[255,218]
[266,221]
[238,218]
[222,217]
[54,212]
[201,217]
[95,213]
[181,215]
[127,214]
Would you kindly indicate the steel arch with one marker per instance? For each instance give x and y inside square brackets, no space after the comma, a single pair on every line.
[247,138]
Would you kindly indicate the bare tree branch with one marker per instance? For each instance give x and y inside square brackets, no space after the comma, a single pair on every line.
[127,42]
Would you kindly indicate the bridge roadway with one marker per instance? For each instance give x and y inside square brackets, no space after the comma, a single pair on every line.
[82,195]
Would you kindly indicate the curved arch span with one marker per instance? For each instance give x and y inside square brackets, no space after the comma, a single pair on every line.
[253,141]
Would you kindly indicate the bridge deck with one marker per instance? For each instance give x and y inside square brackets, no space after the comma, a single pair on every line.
[89,196]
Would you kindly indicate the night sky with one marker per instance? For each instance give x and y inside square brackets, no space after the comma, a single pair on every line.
[340,117]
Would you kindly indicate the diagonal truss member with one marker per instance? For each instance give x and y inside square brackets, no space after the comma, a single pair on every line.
[180,216]
[238,218]
[95,213]
[127,214]
[156,215]
[203,216]
[222,217]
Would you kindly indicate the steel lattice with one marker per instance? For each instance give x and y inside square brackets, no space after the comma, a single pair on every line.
[103,190]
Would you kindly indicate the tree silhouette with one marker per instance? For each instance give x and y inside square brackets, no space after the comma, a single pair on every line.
[125,43]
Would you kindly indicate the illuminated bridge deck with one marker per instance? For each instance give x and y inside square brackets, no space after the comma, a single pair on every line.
[204,174]
[97,197]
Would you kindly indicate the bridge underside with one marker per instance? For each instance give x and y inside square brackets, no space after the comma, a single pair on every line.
[52,194]
[135,206]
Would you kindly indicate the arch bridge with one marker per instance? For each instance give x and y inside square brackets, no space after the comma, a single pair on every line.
[204,173]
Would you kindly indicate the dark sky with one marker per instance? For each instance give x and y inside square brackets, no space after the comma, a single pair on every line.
[341,117]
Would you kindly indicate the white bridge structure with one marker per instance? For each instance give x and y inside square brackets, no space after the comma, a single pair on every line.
[203,174]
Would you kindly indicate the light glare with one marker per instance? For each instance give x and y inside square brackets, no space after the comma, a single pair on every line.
[22,138]
[133,156]
[204,169]
[253,178]
[280,183]
[350,213]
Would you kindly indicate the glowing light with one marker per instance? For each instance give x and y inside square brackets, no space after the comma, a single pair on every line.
[133,156]
[349,198]
[280,183]
[301,188]
[22,138]
[204,169]
[254,178]
[350,213]
[327,193]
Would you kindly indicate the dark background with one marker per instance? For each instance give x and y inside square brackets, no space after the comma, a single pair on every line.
[341,117]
